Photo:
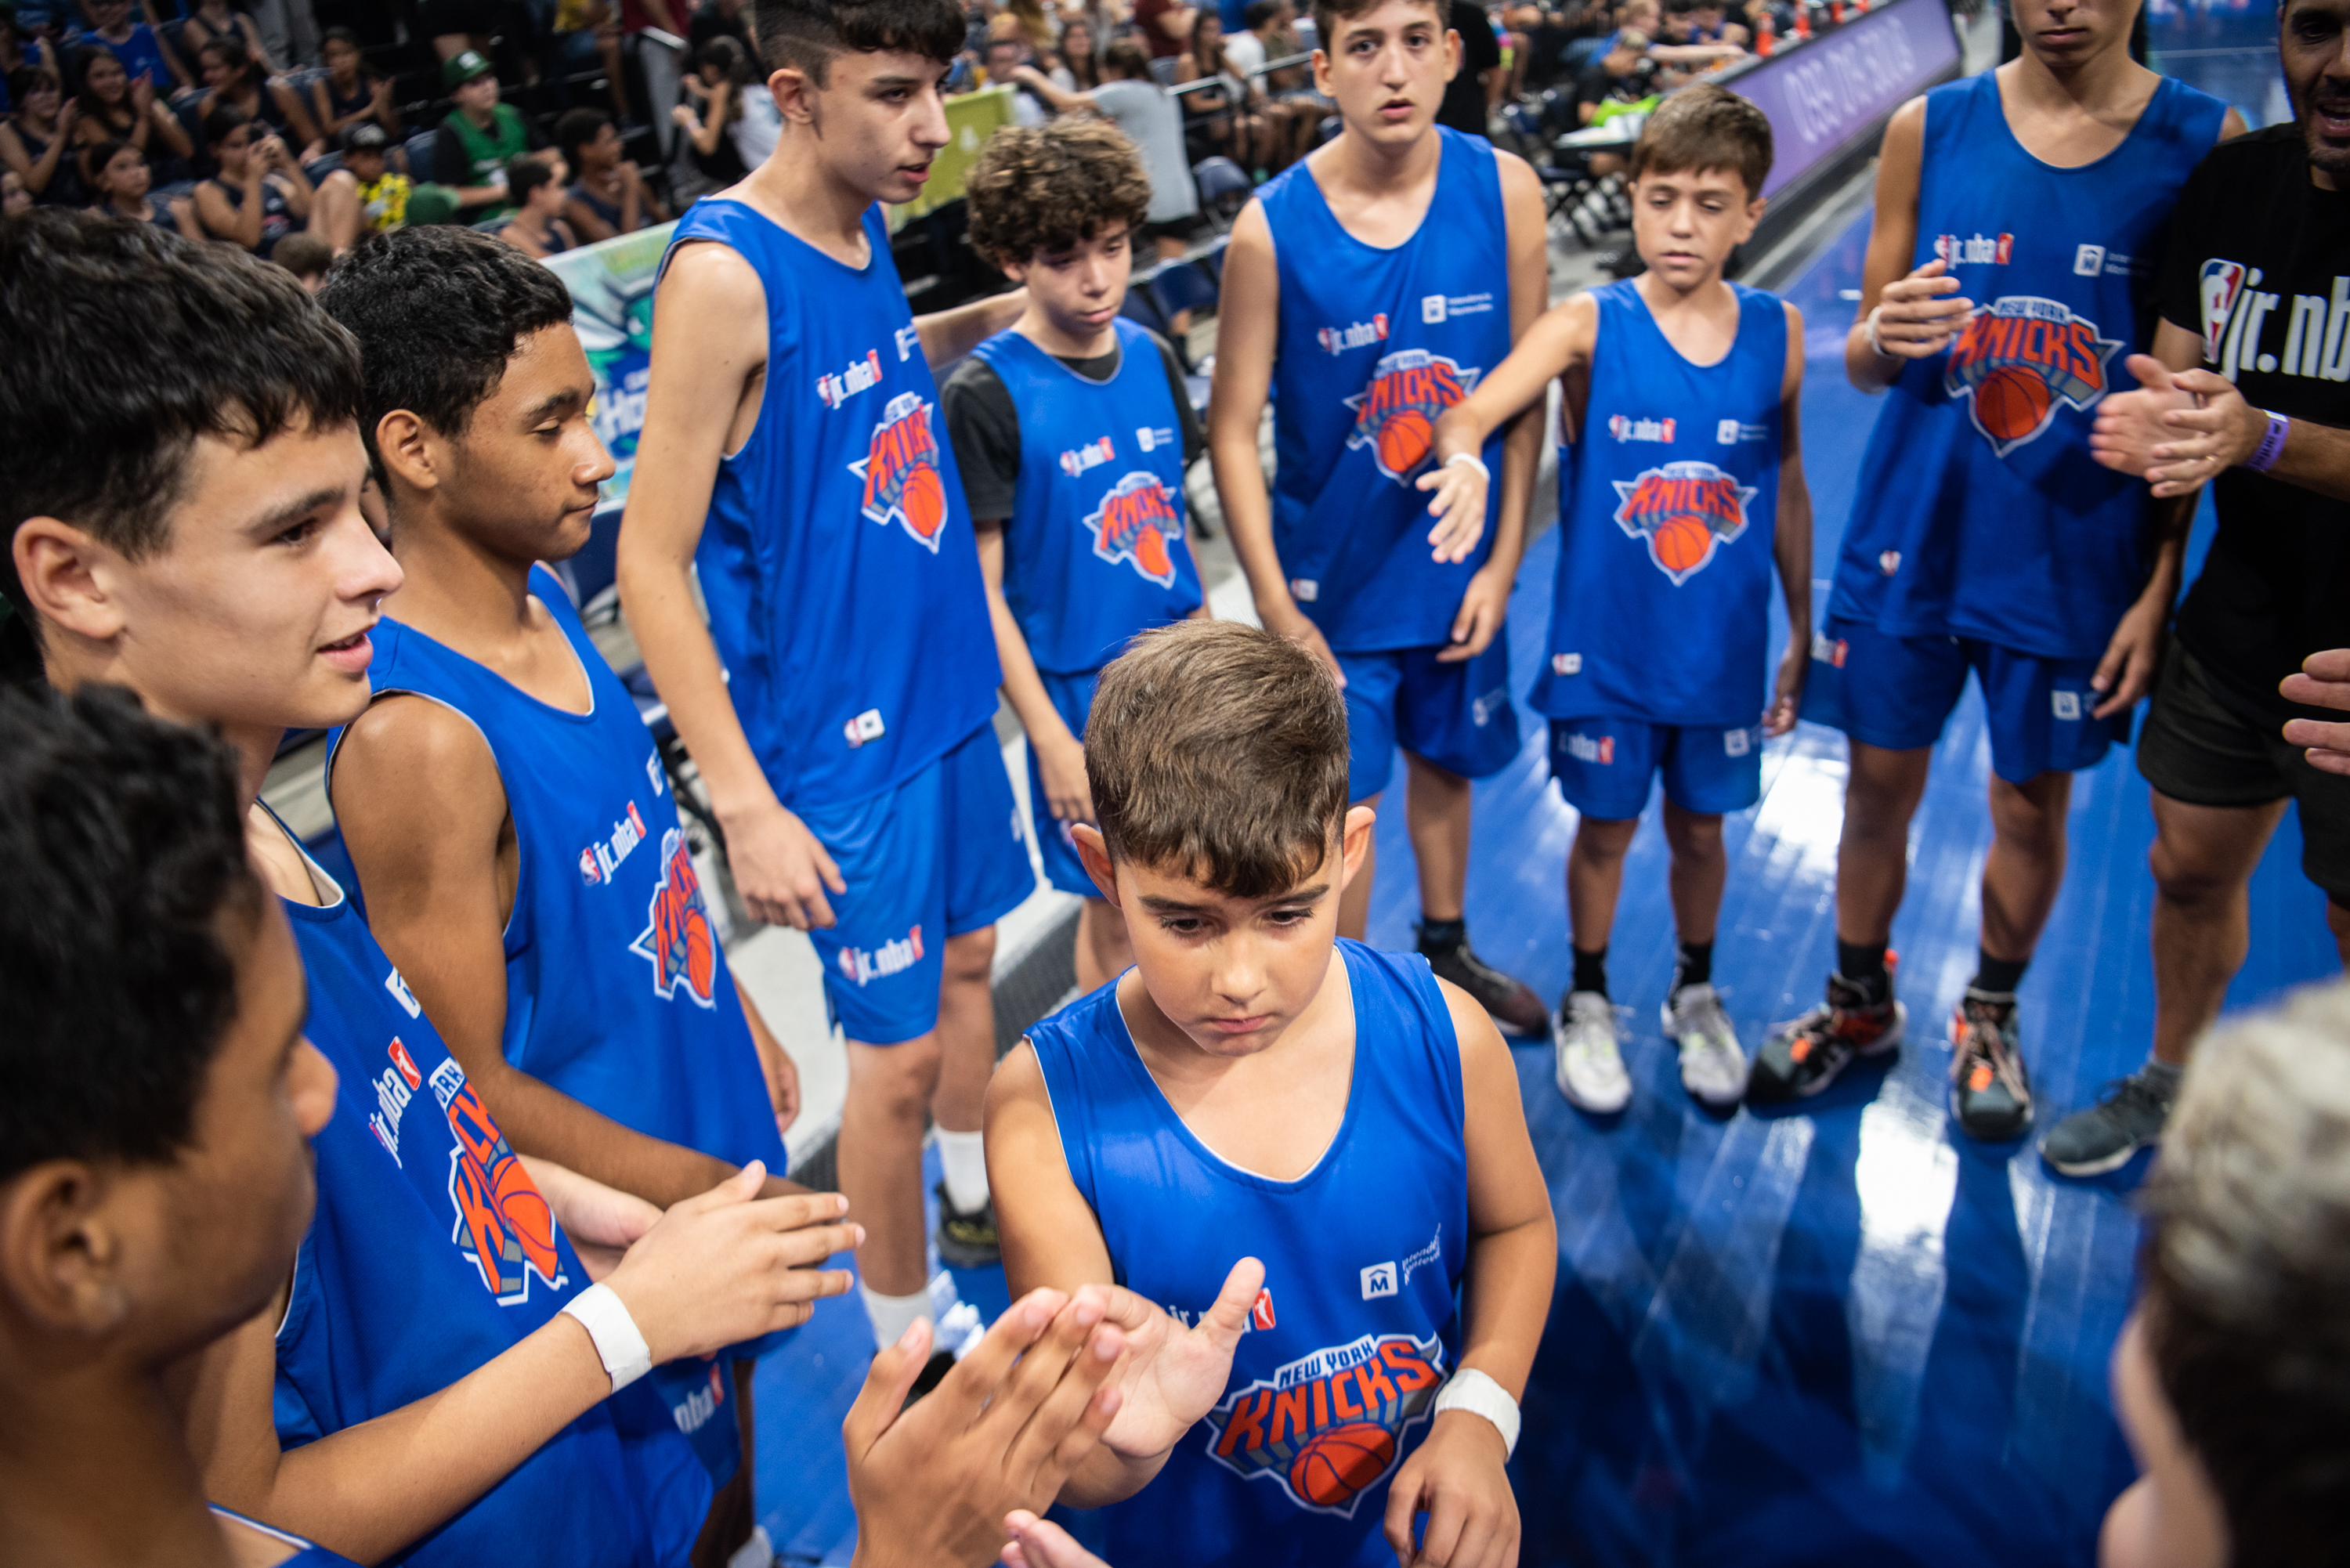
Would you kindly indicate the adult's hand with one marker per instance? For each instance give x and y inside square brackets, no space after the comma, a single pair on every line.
[2324,682]
[932,1482]
[2178,430]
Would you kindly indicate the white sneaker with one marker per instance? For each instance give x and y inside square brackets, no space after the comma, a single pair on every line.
[1714,1069]
[1590,1060]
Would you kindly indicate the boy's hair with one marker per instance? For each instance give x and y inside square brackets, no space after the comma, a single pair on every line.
[1705,127]
[1328,14]
[303,255]
[1217,750]
[804,35]
[437,312]
[1046,187]
[124,344]
[127,883]
[1128,59]
[575,128]
[527,172]
[1260,12]
[2247,1271]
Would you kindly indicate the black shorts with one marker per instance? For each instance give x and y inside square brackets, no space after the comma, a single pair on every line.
[2199,747]
[1187,229]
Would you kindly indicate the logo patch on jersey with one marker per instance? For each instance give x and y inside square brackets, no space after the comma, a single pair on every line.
[1328,1427]
[2018,358]
[1396,415]
[1093,454]
[1685,511]
[1832,654]
[394,1088]
[1583,748]
[503,1227]
[2218,284]
[835,387]
[1355,335]
[1624,427]
[1975,250]
[677,939]
[601,858]
[1136,522]
[900,471]
[892,957]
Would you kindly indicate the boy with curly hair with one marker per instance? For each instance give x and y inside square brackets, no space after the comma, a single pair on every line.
[1073,431]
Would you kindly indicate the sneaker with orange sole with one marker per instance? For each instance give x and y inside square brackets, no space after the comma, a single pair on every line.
[1802,1057]
[1990,1092]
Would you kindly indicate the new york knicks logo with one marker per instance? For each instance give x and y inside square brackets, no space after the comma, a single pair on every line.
[1685,511]
[1396,415]
[900,471]
[677,939]
[504,1226]
[1136,522]
[2020,357]
[1328,1427]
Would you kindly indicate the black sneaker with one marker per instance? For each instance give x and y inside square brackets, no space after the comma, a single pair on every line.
[2105,1137]
[966,1237]
[1511,1003]
[1802,1057]
[1990,1093]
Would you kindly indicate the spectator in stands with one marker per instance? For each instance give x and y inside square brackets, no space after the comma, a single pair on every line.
[536,182]
[608,194]
[210,19]
[261,194]
[351,92]
[458,26]
[1040,27]
[14,198]
[1470,95]
[382,192]
[33,145]
[1081,54]
[720,19]
[307,258]
[1134,101]
[715,96]
[116,109]
[134,44]
[17,51]
[121,180]
[1008,55]
[1222,114]
[1165,27]
[477,140]
[2228,1378]
[235,77]
[758,124]
[1710,24]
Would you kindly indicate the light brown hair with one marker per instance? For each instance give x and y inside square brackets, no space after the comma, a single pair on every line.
[1218,751]
[1045,187]
[1705,127]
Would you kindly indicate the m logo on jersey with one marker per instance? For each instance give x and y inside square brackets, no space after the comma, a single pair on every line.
[1327,1428]
[2018,358]
[900,472]
[677,938]
[1396,415]
[503,1227]
[1136,522]
[1685,511]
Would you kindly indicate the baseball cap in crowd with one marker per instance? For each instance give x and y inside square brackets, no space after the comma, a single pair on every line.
[463,68]
[366,136]
[431,204]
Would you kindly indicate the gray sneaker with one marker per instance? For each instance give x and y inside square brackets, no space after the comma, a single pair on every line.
[1713,1068]
[1589,1063]
[2105,1137]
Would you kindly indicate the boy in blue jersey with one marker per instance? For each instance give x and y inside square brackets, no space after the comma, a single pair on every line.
[1073,431]
[1682,396]
[838,699]
[520,856]
[1368,288]
[1341,1121]
[2009,275]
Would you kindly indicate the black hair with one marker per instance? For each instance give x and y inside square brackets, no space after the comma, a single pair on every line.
[222,123]
[233,56]
[1260,12]
[527,172]
[438,310]
[127,876]
[804,35]
[99,157]
[574,130]
[91,108]
[27,79]
[123,345]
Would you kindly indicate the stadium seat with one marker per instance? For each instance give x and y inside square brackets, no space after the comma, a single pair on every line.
[1224,189]
[419,149]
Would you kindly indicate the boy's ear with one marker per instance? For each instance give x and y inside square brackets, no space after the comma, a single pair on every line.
[1016,271]
[1354,842]
[795,94]
[408,450]
[60,1251]
[1093,852]
[64,573]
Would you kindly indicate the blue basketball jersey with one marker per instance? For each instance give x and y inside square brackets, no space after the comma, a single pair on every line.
[1669,504]
[838,561]
[1332,1387]
[306,1554]
[1374,345]
[1094,550]
[1980,512]
[617,989]
[431,1253]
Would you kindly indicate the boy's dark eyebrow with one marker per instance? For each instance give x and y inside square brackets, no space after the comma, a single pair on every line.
[293,512]
[555,403]
[1159,905]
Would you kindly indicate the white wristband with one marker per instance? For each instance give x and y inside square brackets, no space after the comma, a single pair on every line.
[1470,1390]
[1876,344]
[1473,460]
[618,1343]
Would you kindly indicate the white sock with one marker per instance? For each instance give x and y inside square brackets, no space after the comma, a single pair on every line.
[963,1157]
[892,1315]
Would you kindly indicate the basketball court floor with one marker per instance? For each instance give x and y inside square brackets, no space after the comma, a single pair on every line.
[1841,1335]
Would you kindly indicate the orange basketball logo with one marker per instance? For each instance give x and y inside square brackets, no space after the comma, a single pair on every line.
[1335,1465]
[1329,1428]
[1396,415]
[2010,402]
[924,499]
[2021,358]
[1684,511]
[1136,522]
[677,939]
[900,471]
[1405,441]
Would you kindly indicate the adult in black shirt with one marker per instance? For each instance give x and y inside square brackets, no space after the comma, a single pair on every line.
[2255,288]
[1467,98]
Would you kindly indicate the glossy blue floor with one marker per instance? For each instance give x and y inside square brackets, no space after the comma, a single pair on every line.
[1844,1336]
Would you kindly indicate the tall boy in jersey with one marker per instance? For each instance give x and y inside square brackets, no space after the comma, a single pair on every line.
[2010,272]
[509,818]
[1341,1349]
[1368,288]
[1073,433]
[1687,485]
[426,1387]
[839,701]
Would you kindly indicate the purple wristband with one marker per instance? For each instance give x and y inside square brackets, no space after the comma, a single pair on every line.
[2271,445]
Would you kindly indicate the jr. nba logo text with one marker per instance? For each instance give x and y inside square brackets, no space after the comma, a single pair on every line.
[1684,511]
[1327,1428]
[677,939]
[1136,522]
[900,471]
[2017,358]
[1396,415]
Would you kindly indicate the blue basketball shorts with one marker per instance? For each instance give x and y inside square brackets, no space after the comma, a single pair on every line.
[1458,716]
[1604,767]
[935,857]
[1897,692]
[1073,698]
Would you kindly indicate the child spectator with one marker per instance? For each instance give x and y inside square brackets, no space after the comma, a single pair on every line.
[350,93]
[239,79]
[122,182]
[142,53]
[14,198]
[1338,1111]
[1648,541]
[1222,114]
[608,194]
[34,145]
[535,182]
[210,19]
[307,258]
[478,139]
[722,72]
[1081,54]
[1073,432]
[1133,101]
[382,192]
[261,194]
[116,109]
